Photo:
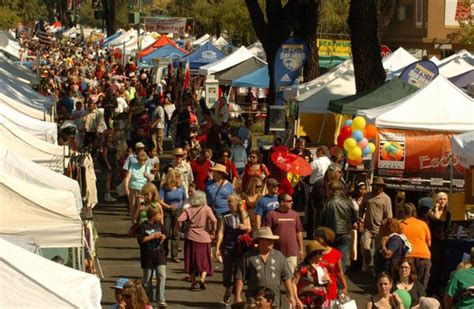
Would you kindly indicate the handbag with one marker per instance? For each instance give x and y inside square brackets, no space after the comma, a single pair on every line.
[186,225]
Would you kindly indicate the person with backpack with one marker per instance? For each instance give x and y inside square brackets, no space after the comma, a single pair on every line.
[394,246]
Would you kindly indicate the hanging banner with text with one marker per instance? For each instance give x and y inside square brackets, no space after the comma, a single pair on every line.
[289,60]
[420,73]
[417,160]
[166,25]
[329,47]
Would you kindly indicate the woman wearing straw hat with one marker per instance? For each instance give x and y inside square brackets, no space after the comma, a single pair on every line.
[218,190]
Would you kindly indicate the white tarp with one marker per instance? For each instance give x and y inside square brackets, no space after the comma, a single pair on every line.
[462,53]
[463,147]
[26,243]
[45,131]
[12,48]
[32,281]
[456,66]
[202,40]
[124,37]
[240,55]
[440,106]
[131,46]
[41,152]
[23,93]
[48,215]
[397,60]
[24,109]
[435,60]
[17,165]
[21,73]
[220,42]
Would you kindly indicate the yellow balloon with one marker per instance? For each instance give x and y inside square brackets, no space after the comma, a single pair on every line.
[358,123]
[350,144]
[372,147]
[355,154]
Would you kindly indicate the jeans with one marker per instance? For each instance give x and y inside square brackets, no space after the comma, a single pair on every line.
[369,241]
[160,272]
[171,219]
[342,243]
[230,262]
[423,267]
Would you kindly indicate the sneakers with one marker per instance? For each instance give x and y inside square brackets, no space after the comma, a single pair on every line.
[162,305]
[109,198]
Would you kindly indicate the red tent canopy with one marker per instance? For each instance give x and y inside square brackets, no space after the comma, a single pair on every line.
[162,41]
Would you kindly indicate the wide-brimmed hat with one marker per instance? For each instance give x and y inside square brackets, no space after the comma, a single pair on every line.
[265,232]
[219,168]
[378,181]
[313,246]
[179,152]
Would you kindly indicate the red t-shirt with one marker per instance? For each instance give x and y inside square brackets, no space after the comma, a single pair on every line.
[201,173]
[286,225]
[330,262]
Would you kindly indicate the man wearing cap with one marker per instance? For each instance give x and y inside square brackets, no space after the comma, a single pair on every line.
[218,190]
[286,223]
[132,158]
[268,202]
[263,267]
[376,207]
[460,289]
[183,167]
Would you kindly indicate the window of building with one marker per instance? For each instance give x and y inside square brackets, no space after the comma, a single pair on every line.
[419,13]
[405,13]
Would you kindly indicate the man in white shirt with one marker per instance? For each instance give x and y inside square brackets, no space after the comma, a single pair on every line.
[319,164]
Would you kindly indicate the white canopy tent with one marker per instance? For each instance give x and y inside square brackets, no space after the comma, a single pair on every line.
[456,66]
[124,37]
[24,109]
[220,43]
[440,106]
[18,166]
[435,60]
[201,40]
[397,60]
[45,131]
[41,152]
[12,48]
[463,147]
[462,53]
[26,243]
[132,45]
[48,215]
[19,72]
[31,281]
[240,55]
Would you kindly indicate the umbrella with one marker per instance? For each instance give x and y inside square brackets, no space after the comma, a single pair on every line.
[291,163]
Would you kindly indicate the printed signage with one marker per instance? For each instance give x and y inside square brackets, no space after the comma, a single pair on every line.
[166,25]
[421,159]
[289,60]
[328,47]
[420,73]
[385,51]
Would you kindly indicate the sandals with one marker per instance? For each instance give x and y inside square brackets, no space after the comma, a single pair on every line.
[194,286]
[202,284]
[227,297]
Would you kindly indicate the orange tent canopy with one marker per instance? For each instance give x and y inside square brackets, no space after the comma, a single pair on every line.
[162,41]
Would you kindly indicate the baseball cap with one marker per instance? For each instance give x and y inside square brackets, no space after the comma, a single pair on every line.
[139,145]
[272,182]
[120,283]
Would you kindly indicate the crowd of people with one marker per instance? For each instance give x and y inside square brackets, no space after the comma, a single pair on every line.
[230,203]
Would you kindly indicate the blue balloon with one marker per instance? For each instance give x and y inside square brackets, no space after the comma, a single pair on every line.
[348,122]
[366,151]
[358,135]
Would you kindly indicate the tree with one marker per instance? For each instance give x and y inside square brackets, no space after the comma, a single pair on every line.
[279,22]
[368,68]
[385,11]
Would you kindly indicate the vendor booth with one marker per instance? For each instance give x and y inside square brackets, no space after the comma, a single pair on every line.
[31,281]
[204,55]
[231,60]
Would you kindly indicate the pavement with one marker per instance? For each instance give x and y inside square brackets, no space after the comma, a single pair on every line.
[119,256]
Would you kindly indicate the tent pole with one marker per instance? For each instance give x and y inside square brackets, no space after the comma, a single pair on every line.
[74,257]
[322,127]
[451,173]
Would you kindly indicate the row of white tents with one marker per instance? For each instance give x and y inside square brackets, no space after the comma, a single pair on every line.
[37,202]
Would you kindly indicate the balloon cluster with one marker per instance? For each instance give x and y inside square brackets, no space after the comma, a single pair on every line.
[354,139]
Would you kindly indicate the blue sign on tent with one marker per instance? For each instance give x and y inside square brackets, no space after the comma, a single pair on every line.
[166,51]
[205,54]
[420,73]
[258,78]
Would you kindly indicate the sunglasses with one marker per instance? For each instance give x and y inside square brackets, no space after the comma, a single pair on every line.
[288,201]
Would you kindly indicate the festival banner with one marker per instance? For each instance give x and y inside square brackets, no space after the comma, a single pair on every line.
[417,160]
[166,25]
[329,47]
[289,60]
[420,73]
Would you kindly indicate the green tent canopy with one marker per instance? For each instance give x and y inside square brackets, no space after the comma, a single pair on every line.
[391,91]
[328,62]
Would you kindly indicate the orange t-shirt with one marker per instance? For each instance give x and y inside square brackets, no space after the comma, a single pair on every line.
[418,234]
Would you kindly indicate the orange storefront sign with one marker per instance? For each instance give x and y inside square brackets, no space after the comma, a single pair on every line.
[417,158]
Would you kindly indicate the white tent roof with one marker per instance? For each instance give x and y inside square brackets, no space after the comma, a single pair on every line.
[19,72]
[26,243]
[12,48]
[398,60]
[45,131]
[235,58]
[440,106]
[47,284]
[202,40]
[462,53]
[435,60]
[220,42]
[124,37]
[456,66]
[316,101]
[11,87]
[24,109]
[146,40]
[463,146]
[17,165]
[48,215]
[41,152]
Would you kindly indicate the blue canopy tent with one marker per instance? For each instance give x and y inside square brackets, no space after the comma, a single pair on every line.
[112,37]
[166,51]
[205,54]
[258,78]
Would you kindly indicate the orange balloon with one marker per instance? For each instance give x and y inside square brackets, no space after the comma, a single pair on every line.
[354,162]
[370,131]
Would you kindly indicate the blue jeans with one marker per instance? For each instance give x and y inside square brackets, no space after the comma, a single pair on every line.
[160,272]
[342,243]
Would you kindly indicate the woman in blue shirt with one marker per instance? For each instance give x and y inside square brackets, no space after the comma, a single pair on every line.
[172,195]
[218,190]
